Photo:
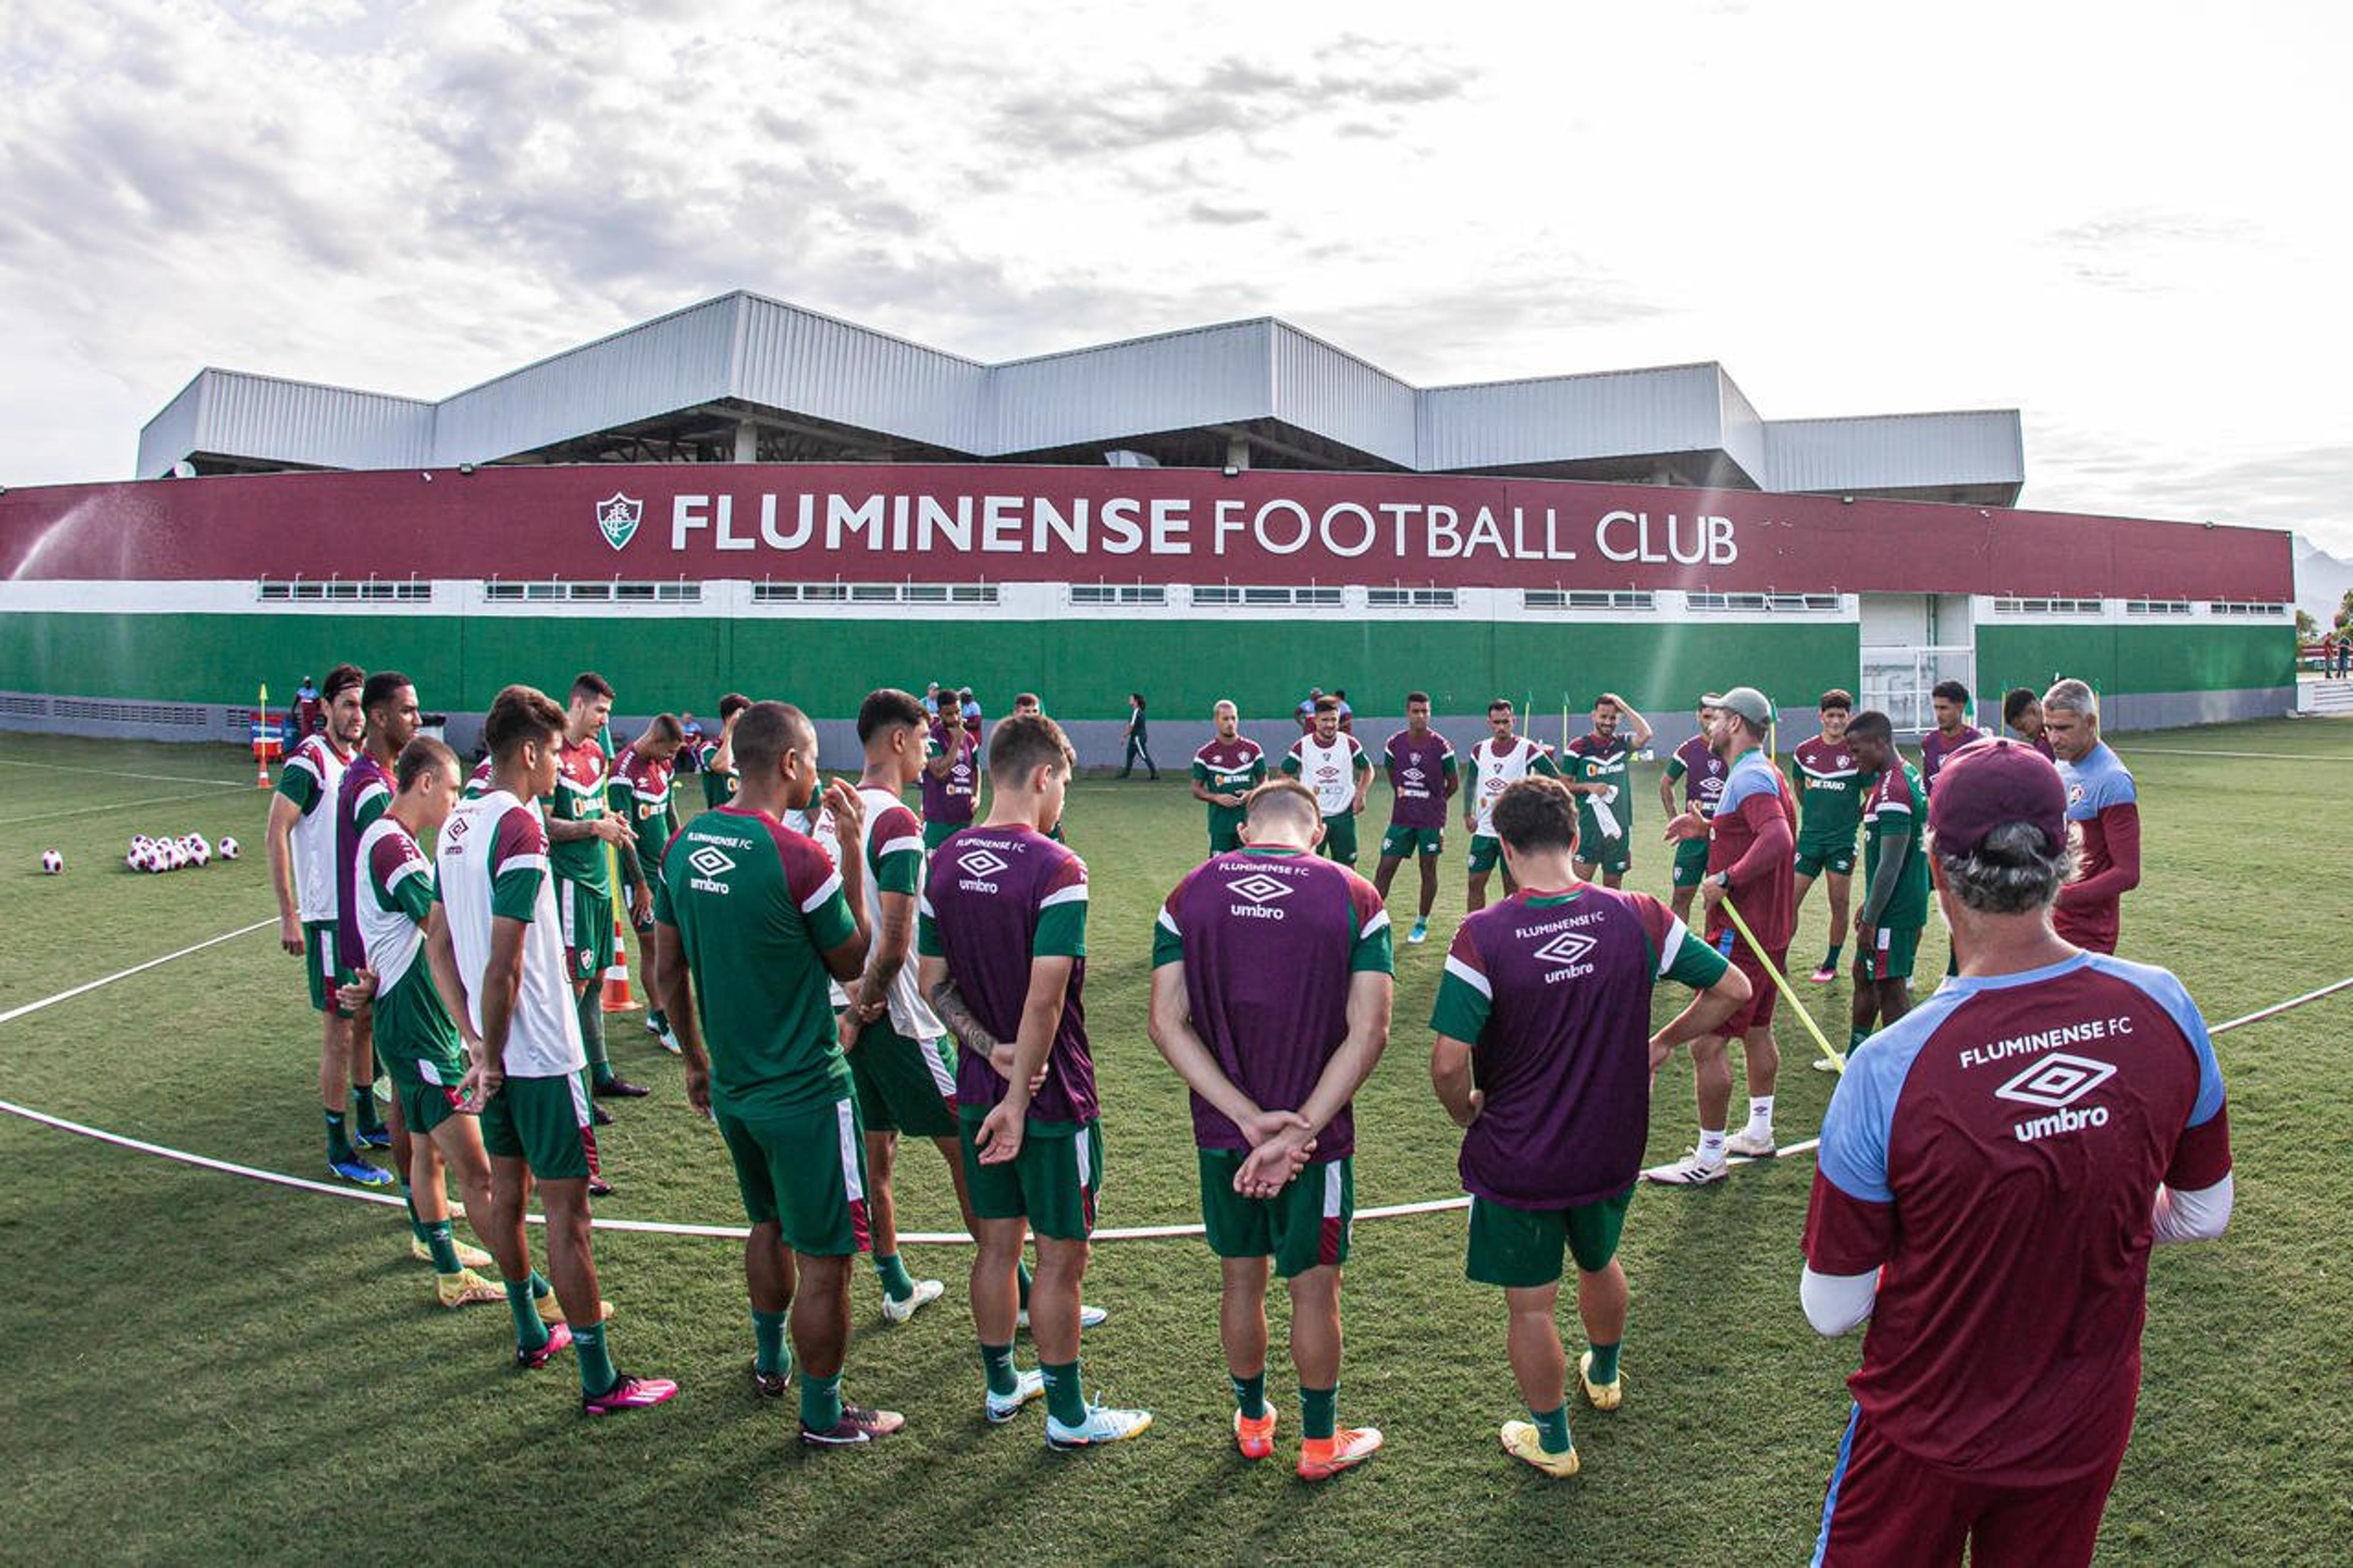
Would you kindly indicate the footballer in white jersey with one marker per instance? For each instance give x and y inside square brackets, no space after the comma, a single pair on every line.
[1497,762]
[1335,767]
[491,875]
[300,842]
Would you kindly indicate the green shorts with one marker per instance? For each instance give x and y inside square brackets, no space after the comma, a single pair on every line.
[320,966]
[1401,841]
[1610,854]
[1486,850]
[543,1122]
[1837,858]
[1520,1250]
[938,833]
[586,918]
[903,1084]
[427,1092]
[1340,839]
[1225,830]
[1303,1226]
[1052,1183]
[805,1172]
[1691,862]
[1889,954]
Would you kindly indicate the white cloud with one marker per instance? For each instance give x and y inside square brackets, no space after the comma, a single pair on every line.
[2130,234]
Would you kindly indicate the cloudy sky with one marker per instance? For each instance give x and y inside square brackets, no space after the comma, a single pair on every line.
[2133,229]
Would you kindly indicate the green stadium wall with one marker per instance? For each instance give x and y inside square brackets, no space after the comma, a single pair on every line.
[1081,665]
[2136,660]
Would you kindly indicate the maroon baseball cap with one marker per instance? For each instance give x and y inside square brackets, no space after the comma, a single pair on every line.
[1988,784]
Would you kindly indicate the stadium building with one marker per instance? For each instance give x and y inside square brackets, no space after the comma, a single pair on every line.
[748,495]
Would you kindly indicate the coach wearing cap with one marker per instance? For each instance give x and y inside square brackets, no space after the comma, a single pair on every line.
[1993,1171]
[1751,839]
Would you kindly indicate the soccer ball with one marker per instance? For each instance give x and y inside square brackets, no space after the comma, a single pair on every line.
[228,850]
[52,862]
[199,852]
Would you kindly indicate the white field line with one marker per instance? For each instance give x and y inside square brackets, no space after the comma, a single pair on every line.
[737,1233]
[2128,749]
[13,1014]
[100,810]
[118,773]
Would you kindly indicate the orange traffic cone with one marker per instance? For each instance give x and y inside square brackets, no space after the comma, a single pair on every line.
[616,997]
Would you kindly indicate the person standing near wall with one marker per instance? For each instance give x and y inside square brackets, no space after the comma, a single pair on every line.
[1139,748]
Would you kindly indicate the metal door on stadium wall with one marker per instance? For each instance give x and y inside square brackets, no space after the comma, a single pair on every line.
[1899,681]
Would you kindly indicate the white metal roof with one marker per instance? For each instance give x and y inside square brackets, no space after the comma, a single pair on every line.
[764,355]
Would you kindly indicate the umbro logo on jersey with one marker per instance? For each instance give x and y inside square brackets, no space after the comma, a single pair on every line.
[2057,1080]
[1264,892]
[618,517]
[709,862]
[1566,948]
[1412,776]
[979,863]
[1260,890]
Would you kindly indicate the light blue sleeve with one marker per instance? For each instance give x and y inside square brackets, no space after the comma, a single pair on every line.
[1858,1127]
[2161,987]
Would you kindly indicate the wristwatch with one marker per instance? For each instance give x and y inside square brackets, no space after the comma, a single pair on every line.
[1724,880]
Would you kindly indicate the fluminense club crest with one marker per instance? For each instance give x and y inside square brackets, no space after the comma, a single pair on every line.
[617,518]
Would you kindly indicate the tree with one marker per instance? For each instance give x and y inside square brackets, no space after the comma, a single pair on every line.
[2307,628]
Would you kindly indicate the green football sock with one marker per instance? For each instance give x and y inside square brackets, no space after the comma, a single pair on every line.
[1831,961]
[596,1372]
[1065,1396]
[658,1021]
[820,1402]
[417,1227]
[1552,1428]
[1319,1411]
[768,1338]
[338,1142]
[363,1101]
[531,1332]
[1022,1278]
[444,1250]
[1855,1037]
[1604,1370]
[591,1008]
[1250,1396]
[998,1361]
[897,1283]
[540,1289]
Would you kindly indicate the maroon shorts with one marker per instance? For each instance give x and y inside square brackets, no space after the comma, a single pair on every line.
[1885,1505]
[1763,994]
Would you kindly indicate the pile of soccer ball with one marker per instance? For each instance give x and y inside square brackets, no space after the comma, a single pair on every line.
[169,854]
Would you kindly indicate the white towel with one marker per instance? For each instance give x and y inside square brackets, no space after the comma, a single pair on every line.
[1603,817]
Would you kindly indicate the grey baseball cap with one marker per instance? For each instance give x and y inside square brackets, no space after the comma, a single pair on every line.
[1750,703]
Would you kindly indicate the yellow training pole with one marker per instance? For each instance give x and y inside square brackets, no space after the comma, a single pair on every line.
[1782,982]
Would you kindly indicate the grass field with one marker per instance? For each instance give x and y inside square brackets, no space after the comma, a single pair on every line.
[202,1368]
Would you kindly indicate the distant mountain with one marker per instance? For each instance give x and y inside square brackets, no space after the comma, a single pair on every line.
[2321,580]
